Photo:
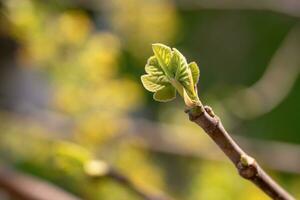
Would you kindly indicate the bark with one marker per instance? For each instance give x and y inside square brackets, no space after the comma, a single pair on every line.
[247,167]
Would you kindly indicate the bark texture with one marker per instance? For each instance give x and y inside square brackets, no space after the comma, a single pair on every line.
[247,167]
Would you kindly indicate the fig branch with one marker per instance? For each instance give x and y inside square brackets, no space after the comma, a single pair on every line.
[168,73]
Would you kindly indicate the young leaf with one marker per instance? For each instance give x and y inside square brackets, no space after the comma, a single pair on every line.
[152,83]
[152,66]
[166,94]
[156,78]
[183,73]
[168,71]
[187,100]
[164,56]
[195,72]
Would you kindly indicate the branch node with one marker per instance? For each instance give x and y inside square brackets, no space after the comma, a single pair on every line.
[247,167]
[205,116]
[247,160]
[210,111]
[195,112]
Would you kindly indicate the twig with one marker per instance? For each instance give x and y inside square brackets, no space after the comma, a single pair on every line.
[247,167]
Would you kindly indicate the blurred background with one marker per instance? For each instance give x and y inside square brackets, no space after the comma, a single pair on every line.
[75,117]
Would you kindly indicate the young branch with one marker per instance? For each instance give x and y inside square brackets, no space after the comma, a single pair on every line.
[247,167]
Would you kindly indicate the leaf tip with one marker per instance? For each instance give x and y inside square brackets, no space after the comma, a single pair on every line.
[157,46]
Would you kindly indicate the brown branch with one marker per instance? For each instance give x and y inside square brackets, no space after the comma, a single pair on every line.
[25,187]
[247,167]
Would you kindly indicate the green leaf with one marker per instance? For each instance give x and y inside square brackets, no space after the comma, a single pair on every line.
[168,71]
[195,72]
[155,79]
[187,100]
[166,94]
[183,73]
[163,54]
[152,83]
[152,67]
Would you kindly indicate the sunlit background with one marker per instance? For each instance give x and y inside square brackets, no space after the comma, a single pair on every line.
[73,111]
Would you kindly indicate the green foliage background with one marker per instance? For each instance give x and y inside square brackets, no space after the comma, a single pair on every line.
[89,56]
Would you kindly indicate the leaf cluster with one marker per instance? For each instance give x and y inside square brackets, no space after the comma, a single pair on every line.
[167,72]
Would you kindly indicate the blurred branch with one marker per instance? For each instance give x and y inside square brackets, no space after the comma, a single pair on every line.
[167,138]
[25,187]
[157,138]
[97,169]
[28,188]
[288,7]
[135,188]
[275,84]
